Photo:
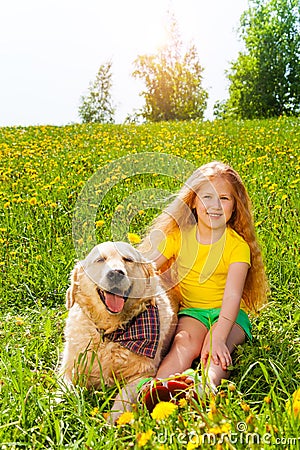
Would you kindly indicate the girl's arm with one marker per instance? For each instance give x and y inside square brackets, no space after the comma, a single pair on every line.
[233,292]
[230,307]
[158,259]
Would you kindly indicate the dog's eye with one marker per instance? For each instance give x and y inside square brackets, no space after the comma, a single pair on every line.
[101,259]
[127,259]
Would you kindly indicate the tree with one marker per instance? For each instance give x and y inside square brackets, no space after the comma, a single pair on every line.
[173,81]
[97,106]
[265,79]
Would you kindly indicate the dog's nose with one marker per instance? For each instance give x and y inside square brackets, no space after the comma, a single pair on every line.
[115,275]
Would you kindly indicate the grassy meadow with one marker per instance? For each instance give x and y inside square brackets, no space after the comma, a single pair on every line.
[43,171]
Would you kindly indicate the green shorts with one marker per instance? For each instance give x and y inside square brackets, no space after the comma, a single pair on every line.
[209,316]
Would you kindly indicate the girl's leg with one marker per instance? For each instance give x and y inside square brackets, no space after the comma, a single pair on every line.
[215,372]
[186,347]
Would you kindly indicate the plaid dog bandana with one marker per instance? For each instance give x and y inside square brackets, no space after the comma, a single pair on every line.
[141,336]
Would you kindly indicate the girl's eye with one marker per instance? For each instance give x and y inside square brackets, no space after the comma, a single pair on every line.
[224,198]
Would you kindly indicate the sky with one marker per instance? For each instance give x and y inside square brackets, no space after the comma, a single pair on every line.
[50,50]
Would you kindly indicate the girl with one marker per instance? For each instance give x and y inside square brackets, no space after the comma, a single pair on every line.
[209,238]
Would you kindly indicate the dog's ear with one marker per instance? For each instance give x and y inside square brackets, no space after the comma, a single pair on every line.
[71,291]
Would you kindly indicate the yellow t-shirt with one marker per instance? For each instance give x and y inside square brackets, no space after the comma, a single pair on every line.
[202,269]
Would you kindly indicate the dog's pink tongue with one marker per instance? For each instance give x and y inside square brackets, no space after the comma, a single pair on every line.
[114,302]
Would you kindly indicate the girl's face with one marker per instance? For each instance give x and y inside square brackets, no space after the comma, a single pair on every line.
[214,204]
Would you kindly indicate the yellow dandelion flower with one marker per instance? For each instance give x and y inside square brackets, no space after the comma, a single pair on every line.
[94,411]
[215,430]
[250,419]
[210,415]
[133,238]
[143,438]
[213,407]
[225,428]
[293,405]
[163,410]
[19,321]
[99,223]
[245,407]
[125,418]
[192,445]
[182,403]
[267,400]
[33,201]
[80,241]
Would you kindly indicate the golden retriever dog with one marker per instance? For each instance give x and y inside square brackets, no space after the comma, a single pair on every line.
[120,322]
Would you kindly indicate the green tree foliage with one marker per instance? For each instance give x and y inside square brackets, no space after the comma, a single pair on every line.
[173,81]
[97,106]
[265,79]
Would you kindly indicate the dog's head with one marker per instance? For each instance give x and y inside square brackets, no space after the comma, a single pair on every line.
[113,279]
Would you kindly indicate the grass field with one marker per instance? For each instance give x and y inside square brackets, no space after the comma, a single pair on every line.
[45,174]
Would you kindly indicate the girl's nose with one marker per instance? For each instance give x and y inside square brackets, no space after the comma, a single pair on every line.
[217,203]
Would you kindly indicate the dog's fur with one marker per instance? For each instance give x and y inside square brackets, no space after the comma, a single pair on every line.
[88,356]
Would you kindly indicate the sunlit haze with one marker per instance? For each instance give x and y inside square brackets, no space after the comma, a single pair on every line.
[51,50]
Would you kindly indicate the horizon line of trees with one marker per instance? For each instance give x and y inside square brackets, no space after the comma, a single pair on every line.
[264,80]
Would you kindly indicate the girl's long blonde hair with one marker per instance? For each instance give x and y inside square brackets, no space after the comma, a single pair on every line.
[180,213]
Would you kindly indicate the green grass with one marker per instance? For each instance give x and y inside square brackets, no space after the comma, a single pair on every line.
[44,170]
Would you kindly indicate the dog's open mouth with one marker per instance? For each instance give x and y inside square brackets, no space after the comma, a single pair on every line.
[114,301]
